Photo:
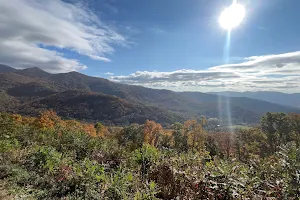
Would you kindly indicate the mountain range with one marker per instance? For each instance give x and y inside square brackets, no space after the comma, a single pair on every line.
[75,95]
[273,97]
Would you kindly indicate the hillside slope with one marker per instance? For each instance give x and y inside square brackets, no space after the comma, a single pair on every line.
[91,106]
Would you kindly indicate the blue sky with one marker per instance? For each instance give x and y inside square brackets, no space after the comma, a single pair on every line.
[172,44]
[174,34]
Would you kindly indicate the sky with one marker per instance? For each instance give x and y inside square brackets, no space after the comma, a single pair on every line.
[171,44]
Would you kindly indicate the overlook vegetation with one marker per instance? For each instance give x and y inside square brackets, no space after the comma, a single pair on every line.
[46,157]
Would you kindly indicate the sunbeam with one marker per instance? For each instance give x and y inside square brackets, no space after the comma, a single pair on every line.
[229,19]
[227,99]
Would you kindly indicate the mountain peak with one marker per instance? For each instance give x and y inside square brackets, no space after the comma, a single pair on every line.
[5,68]
[34,72]
[33,69]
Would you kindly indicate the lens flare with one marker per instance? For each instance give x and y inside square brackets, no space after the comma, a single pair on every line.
[232,16]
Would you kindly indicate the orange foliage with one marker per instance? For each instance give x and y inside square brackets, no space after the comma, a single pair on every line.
[104,131]
[168,132]
[151,132]
[73,125]
[195,134]
[17,118]
[23,120]
[49,120]
[28,120]
[89,129]
[101,130]
[188,125]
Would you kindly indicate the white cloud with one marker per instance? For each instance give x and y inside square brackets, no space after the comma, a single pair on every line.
[258,73]
[278,64]
[28,27]
[176,76]
[109,73]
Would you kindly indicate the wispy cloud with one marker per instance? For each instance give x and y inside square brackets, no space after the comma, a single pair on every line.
[279,72]
[157,30]
[29,28]
[111,8]
[263,28]
[269,63]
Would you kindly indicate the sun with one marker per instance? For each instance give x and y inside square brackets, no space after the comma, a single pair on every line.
[232,16]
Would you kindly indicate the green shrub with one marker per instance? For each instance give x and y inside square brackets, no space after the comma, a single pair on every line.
[8,145]
[145,156]
[45,158]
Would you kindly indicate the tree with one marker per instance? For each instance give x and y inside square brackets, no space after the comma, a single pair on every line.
[177,126]
[8,125]
[49,120]
[211,145]
[100,129]
[180,140]
[89,129]
[203,121]
[294,123]
[132,136]
[152,132]
[195,134]
[276,127]
[250,142]
[225,143]
[212,124]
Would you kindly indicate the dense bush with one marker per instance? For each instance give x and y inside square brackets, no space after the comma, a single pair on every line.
[50,158]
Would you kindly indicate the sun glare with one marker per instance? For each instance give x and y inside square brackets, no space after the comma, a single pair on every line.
[232,16]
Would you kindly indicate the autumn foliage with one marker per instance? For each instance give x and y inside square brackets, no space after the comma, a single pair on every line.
[152,132]
[49,121]
[47,157]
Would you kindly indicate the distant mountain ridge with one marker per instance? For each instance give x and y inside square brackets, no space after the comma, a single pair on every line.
[292,100]
[75,95]
[5,68]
